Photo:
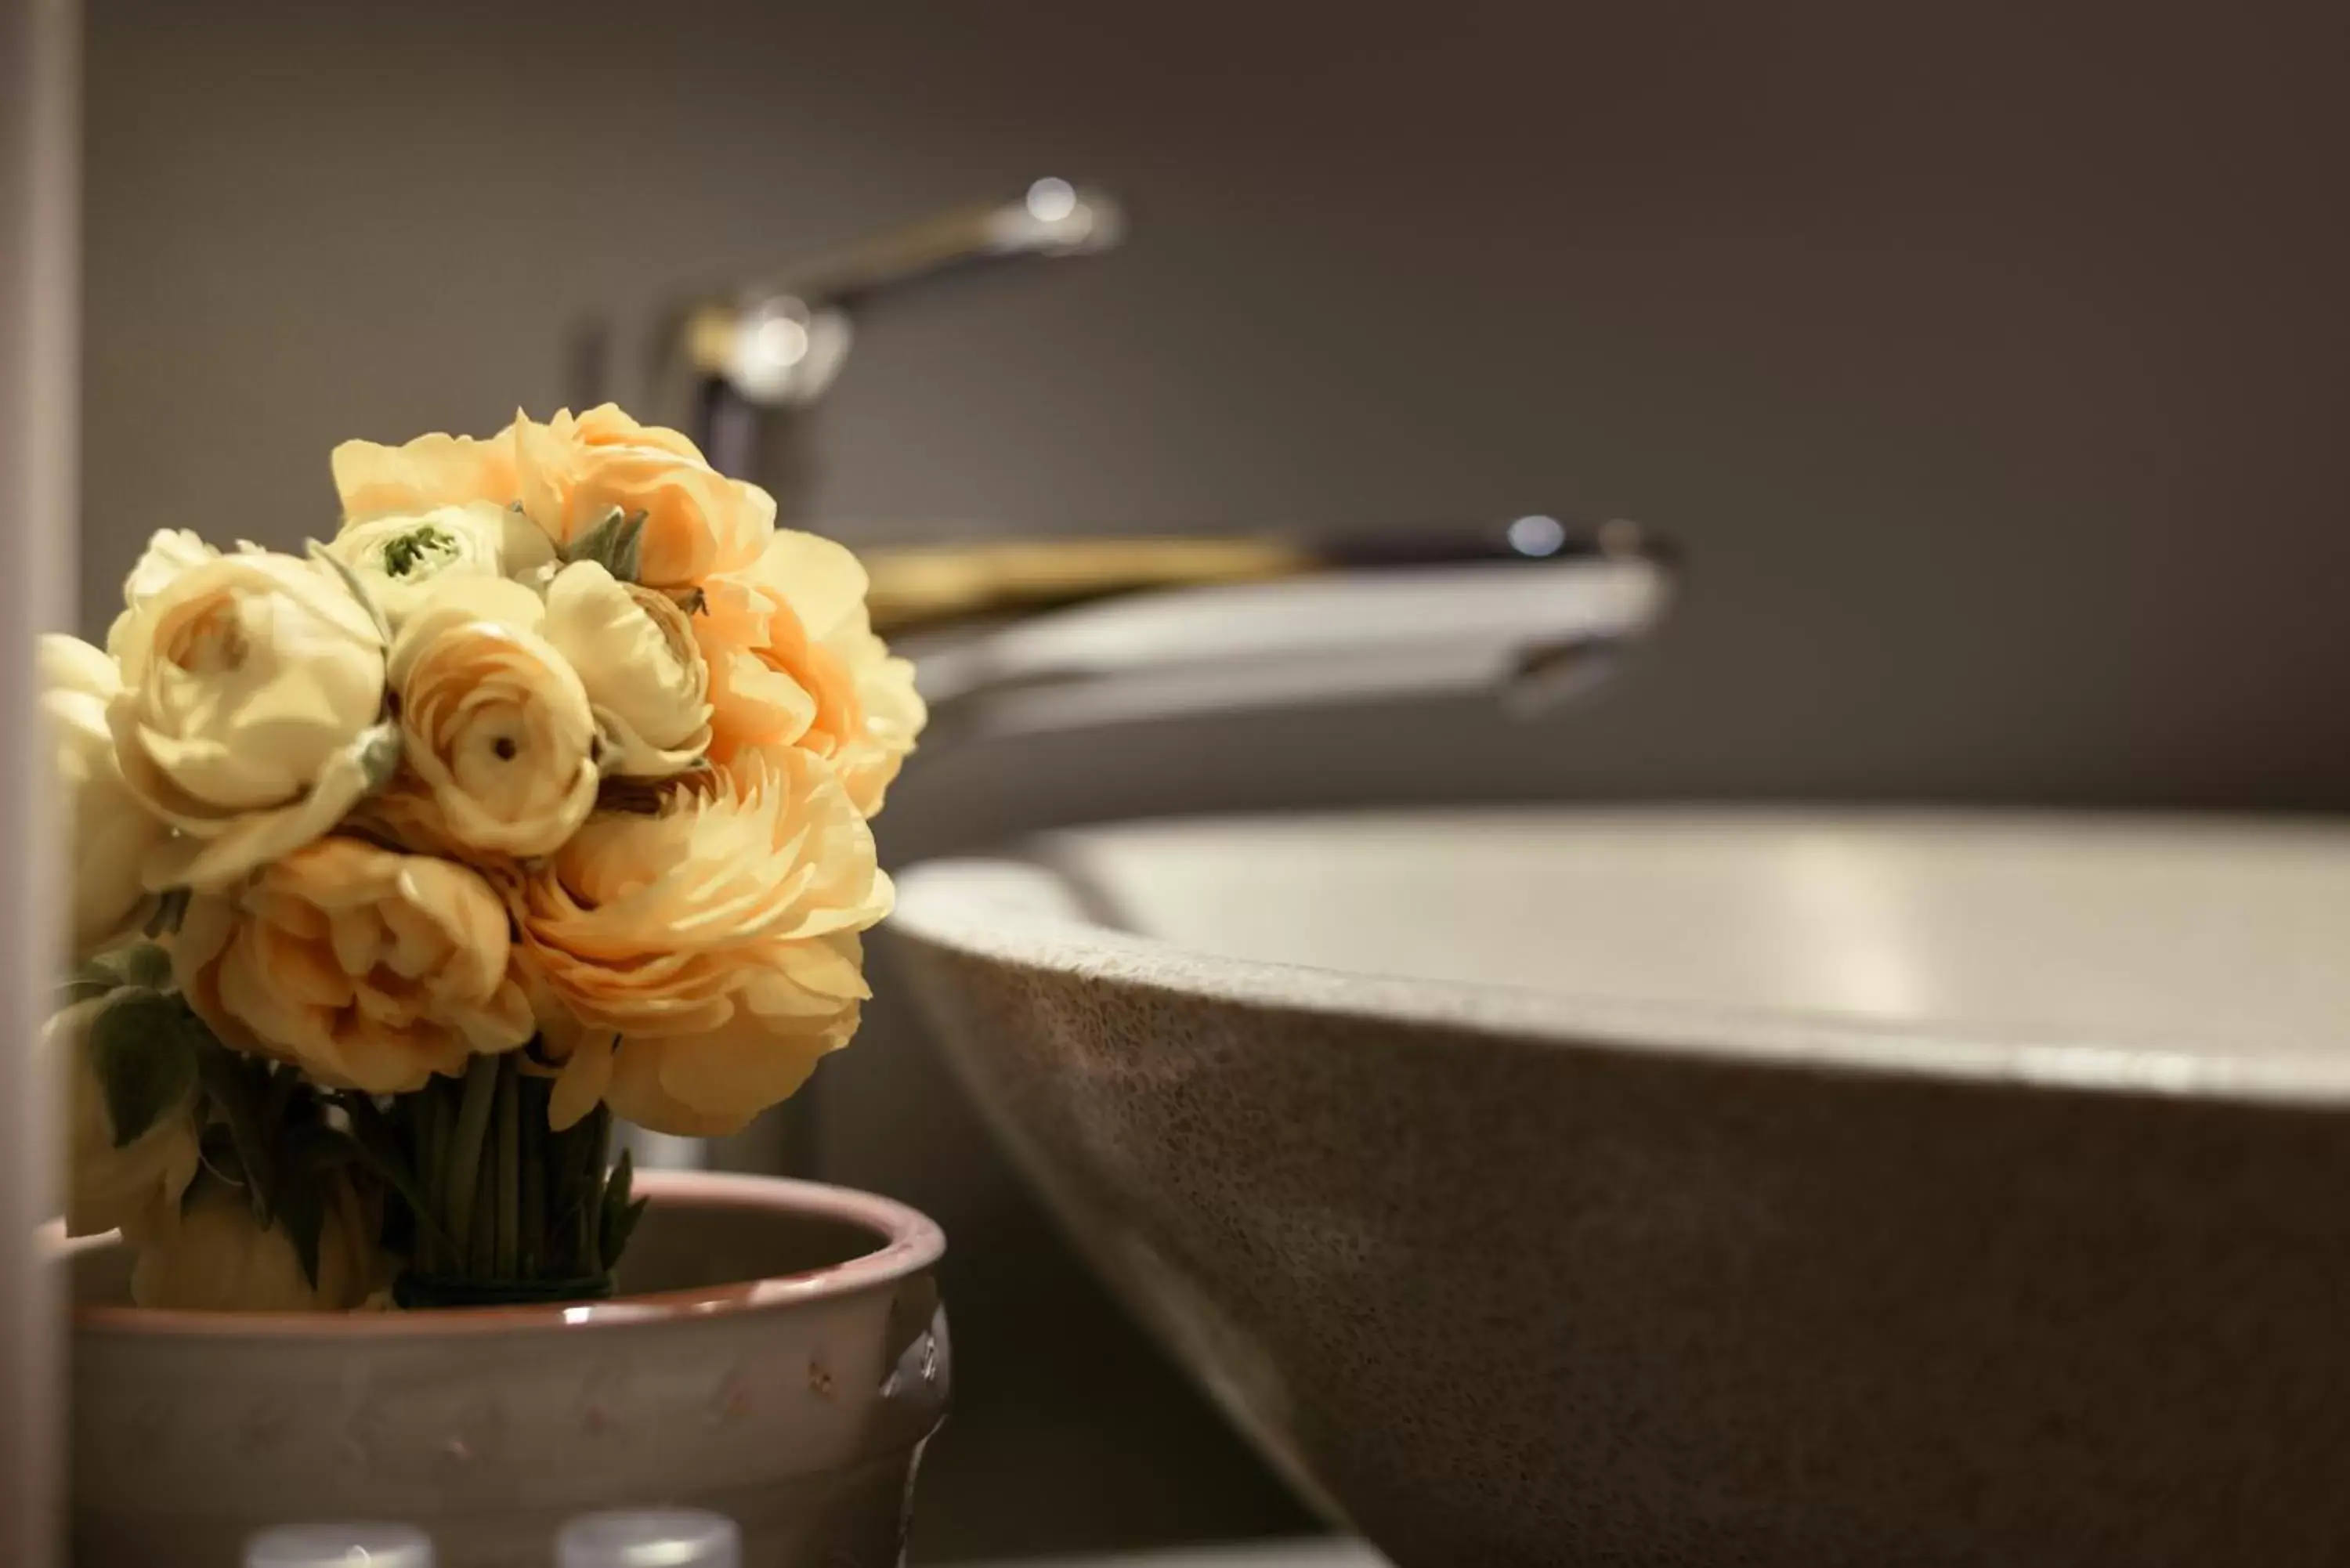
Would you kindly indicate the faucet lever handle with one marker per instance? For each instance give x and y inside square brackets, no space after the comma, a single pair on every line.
[1052,218]
[778,342]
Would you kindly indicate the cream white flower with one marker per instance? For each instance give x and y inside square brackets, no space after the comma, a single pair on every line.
[133,1186]
[221,1259]
[170,553]
[113,833]
[498,729]
[402,558]
[634,649]
[251,688]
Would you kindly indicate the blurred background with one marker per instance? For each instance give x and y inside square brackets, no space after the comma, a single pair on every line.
[1988,361]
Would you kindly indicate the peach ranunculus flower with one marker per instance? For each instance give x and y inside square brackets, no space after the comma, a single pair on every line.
[794,661]
[498,729]
[253,687]
[427,473]
[370,968]
[702,958]
[573,471]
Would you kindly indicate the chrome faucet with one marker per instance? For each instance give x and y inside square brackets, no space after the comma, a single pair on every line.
[1018,636]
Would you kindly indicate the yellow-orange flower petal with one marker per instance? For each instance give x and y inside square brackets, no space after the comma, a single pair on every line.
[574,469]
[424,475]
[794,661]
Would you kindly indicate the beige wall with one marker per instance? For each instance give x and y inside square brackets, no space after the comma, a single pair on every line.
[1990,358]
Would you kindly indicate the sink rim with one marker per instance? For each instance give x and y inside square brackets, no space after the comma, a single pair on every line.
[1016,908]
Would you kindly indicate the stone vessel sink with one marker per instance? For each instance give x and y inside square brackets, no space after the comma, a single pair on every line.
[1686,1188]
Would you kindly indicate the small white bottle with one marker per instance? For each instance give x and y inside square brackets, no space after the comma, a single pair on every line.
[339,1546]
[649,1538]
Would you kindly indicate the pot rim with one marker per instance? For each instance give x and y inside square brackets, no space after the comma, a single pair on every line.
[909,1242]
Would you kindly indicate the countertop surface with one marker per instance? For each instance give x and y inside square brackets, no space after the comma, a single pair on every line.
[1309,1553]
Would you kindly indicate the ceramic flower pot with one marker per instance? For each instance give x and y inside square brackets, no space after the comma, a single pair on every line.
[778,1354]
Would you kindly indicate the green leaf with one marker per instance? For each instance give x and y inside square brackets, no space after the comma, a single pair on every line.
[309,1156]
[216,1149]
[302,1215]
[620,1216]
[140,964]
[313,1151]
[623,1176]
[285,1084]
[171,908]
[621,1227]
[379,748]
[378,1148]
[144,1063]
[358,589]
[239,1087]
[594,543]
[628,556]
[615,543]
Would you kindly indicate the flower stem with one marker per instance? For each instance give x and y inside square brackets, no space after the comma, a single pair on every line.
[465,1162]
[533,1094]
[441,1112]
[599,1127]
[508,1149]
[415,1112]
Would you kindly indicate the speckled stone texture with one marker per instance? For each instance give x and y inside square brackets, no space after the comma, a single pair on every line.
[1505,1300]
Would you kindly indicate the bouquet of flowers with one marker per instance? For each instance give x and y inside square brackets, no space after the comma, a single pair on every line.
[539,795]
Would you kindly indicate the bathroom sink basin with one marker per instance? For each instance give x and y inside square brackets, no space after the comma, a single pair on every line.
[1682,1188]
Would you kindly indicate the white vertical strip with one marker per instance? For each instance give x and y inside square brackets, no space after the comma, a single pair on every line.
[40,108]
